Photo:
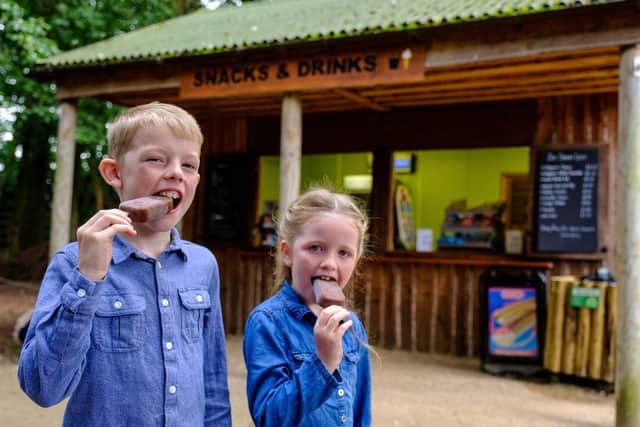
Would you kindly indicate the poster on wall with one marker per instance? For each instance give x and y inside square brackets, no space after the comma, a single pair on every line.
[404,217]
[513,329]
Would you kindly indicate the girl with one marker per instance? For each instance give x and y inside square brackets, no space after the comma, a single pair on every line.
[303,368]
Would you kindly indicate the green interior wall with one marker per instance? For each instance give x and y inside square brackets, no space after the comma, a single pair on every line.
[443,176]
[317,169]
[440,177]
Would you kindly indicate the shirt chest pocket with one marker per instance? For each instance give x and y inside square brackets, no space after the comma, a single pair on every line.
[119,323]
[194,303]
[349,365]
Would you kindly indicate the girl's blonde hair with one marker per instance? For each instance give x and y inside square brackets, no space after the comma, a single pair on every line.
[314,202]
[155,114]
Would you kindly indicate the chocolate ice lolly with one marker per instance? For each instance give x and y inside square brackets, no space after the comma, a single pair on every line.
[147,208]
[327,293]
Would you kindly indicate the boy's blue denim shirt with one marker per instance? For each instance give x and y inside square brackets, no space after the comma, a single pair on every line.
[143,347]
[287,384]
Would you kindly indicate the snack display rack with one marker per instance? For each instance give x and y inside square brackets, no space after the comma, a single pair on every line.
[474,228]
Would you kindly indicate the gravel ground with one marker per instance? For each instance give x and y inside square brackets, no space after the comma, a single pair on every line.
[409,389]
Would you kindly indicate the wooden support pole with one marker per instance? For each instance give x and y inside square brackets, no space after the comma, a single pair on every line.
[382,202]
[290,150]
[628,241]
[63,184]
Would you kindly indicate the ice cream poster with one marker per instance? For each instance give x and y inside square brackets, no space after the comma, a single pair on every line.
[513,322]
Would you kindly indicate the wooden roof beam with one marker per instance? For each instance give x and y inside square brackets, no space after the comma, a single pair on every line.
[73,89]
[359,99]
[485,48]
[493,81]
[469,98]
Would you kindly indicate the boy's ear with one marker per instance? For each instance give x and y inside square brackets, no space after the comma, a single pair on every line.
[109,170]
[286,253]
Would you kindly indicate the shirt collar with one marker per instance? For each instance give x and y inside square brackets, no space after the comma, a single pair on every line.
[122,249]
[293,303]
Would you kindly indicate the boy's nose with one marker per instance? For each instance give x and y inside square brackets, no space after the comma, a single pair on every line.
[174,171]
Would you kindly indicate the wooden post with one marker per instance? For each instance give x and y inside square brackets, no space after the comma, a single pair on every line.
[628,241]
[290,150]
[63,184]
[382,202]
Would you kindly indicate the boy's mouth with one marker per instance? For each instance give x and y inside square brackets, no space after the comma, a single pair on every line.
[173,195]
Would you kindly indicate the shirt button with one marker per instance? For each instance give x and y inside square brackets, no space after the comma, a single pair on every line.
[117,305]
[159,265]
[165,302]
[81,293]
[169,345]
[199,298]
[340,392]
[172,389]
[343,419]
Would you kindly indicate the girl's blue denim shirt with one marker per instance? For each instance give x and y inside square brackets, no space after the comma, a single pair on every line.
[287,384]
[143,347]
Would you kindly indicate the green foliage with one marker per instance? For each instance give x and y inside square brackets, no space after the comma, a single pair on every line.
[23,40]
[31,30]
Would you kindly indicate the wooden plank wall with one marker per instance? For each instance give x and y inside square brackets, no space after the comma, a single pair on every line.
[222,136]
[421,305]
[583,119]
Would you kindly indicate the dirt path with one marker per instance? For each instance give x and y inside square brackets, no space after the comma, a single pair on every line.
[409,389]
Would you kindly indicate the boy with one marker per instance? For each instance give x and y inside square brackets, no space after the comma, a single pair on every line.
[128,321]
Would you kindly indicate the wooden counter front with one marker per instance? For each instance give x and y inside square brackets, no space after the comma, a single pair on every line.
[407,300]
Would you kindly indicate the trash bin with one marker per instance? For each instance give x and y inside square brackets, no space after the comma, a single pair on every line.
[512,318]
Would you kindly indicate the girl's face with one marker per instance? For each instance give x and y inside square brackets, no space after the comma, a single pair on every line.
[159,163]
[327,247]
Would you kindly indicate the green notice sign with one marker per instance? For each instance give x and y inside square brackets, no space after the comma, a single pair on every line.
[582,297]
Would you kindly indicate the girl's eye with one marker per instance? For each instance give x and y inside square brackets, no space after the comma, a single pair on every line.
[190,166]
[343,253]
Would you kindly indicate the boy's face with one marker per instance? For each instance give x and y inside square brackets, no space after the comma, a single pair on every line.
[159,163]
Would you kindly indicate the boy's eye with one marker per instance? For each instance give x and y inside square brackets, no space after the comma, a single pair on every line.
[315,248]
[153,159]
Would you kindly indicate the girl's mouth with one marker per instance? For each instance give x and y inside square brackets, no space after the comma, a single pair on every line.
[324,278]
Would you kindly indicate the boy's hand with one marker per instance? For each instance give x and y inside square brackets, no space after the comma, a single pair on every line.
[95,239]
[331,325]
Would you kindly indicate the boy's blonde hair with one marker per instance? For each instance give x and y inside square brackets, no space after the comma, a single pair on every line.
[312,203]
[156,114]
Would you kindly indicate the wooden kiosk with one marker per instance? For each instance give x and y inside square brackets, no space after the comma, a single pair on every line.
[313,77]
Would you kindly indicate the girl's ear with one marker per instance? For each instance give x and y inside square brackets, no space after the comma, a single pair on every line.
[109,170]
[286,253]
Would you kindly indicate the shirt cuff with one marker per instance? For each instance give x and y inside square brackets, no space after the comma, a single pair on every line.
[78,294]
[333,379]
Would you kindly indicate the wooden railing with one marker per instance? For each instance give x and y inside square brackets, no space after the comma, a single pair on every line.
[418,303]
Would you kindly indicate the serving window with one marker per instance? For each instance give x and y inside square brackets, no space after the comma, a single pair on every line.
[460,199]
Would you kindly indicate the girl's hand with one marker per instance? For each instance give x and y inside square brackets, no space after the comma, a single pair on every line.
[328,333]
[95,239]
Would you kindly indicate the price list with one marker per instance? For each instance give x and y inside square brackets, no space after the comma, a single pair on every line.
[567,201]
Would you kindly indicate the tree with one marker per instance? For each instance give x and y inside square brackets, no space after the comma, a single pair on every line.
[31,30]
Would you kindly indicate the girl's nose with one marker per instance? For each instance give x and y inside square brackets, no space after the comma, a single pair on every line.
[329,262]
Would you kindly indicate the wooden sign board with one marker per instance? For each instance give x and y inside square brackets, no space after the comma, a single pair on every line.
[324,72]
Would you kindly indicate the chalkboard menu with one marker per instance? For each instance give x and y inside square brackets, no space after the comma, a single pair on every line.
[567,200]
[228,198]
